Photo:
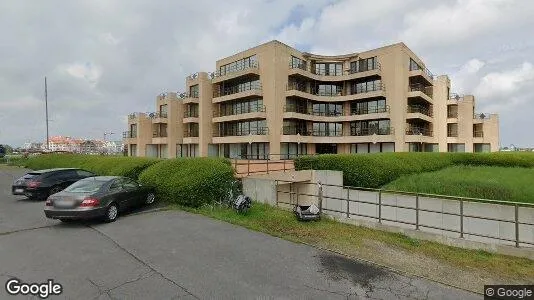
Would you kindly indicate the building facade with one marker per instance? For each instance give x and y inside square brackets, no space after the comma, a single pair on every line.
[273,101]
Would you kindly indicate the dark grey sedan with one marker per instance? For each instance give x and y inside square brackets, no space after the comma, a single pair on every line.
[97,197]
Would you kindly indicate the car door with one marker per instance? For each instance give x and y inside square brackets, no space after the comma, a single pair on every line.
[132,191]
[117,193]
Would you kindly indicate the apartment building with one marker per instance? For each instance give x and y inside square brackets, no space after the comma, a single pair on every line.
[273,101]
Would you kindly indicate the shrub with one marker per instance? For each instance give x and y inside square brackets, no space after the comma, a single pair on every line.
[376,170]
[101,165]
[190,181]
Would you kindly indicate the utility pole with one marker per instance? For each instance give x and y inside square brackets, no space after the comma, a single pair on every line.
[46,107]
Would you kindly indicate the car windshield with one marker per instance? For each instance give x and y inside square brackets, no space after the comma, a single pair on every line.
[85,186]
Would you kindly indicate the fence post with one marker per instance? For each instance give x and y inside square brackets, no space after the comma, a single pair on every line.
[516,225]
[379,206]
[248,167]
[276,189]
[462,218]
[348,205]
[291,193]
[417,211]
[320,186]
[284,165]
[267,165]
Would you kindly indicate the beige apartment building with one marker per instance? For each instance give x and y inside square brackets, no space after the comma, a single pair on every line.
[273,101]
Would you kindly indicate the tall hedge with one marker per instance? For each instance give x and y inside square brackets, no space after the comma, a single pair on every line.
[378,169]
[190,181]
[101,165]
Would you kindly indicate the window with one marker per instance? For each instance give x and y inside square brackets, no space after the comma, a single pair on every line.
[414,65]
[255,127]
[364,128]
[163,110]
[452,147]
[482,147]
[366,86]
[115,186]
[85,186]
[129,184]
[363,65]
[241,107]
[292,150]
[329,69]
[193,91]
[242,64]
[452,129]
[329,90]
[327,129]
[83,173]
[298,63]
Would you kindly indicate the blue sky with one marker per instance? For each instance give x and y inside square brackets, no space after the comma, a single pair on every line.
[106,59]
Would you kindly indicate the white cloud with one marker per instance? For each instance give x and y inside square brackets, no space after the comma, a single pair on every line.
[109,38]
[445,24]
[87,71]
[506,83]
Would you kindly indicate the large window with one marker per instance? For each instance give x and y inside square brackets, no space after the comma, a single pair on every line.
[255,127]
[330,69]
[239,65]
[482,147]
[368,107]
[327,129]
[365,87]
[298,63]
[245,150]
[363,65]
[327,109]
[187,150]
[236,88]
[372,147]
[294,127]
[453,147]
[329,90]
[364,128]
[191,130]
[241,107]
[193,91]
[292,150]
[191,110]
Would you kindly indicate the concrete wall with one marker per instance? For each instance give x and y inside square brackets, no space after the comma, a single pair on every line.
[436,216]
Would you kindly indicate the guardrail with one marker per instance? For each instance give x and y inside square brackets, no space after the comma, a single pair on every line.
[462,209]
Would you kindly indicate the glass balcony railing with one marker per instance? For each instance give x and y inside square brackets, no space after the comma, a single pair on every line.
[368,87]
[303,110]
[234,69]
[369,110]
[371,131]
[420,109]
[419,131]
[427,90]
[158,134]
[129,134]
[241,132]
[239,110]
[190,133]
[310,68]
[249,86]
[190,114]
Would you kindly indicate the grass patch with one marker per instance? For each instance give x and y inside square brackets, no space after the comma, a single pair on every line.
[354,240]
[498,183]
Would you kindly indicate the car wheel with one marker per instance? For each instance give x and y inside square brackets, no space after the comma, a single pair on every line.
[150,198]
[55,190]
[111,213]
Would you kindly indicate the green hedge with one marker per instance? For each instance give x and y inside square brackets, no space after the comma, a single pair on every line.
[101,165]
[376,170]
[190,181]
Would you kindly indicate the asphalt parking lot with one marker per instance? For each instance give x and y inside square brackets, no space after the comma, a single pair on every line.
[173,255]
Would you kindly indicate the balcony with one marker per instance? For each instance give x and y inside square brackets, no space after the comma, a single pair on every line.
[159,134]
[425,89]
[371,131]
[189,97]
[301,110]
[478,134]
[452,133]
[419,131]
[372,110]
[190,114]
[129,134]
[241,132]
[307,70]
[252,89]
[237,71]
[190,133]
[295,89]
[417,70]
[240,111]
[419,112]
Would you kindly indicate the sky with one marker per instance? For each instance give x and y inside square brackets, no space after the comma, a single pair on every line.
[104,59]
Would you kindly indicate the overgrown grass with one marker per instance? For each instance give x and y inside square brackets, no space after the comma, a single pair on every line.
[499,183]
[351,240]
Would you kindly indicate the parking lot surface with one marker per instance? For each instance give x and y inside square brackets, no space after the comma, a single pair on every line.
[175,255]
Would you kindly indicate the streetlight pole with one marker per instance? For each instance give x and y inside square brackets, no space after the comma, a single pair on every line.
[46,110]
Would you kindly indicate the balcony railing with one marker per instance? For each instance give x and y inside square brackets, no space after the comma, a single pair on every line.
[237,89]
[190,133]
[420,109]
[457,97]
[129,134]
[158,134]
[419,131]
[237,68]
[452,133]
[303,110]
[238,110]
[427,90]
[294,130]
[372,110]
[481,116]
[309,68]
[326,133]
[190,114]
[415,67]
[303,88]
[188,95]
[369,87]
[452,114]
[478,133]
[241,132]
[372,131]
[155,115]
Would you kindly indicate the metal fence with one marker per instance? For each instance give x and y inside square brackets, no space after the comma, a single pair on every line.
[461,215]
